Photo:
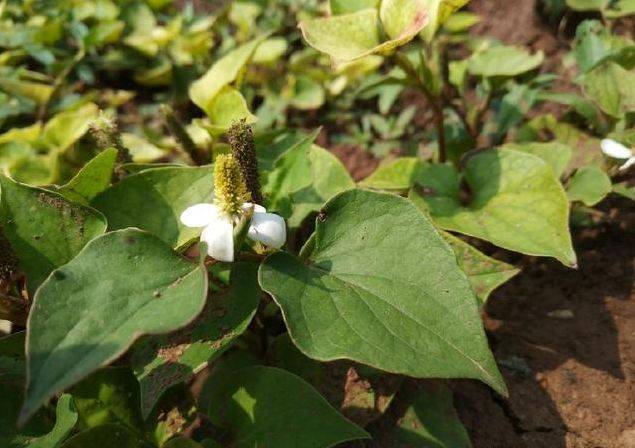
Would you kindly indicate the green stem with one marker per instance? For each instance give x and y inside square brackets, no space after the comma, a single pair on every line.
[437,102]
[180,134]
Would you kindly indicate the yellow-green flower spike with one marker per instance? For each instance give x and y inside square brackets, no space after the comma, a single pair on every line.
[230,189]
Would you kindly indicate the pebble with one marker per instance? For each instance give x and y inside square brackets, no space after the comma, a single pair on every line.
[561,314]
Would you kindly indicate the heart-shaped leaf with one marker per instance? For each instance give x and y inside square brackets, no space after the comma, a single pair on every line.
[265,406]
[381,287]
[121,286]
[45,229]
[516,203]
[153,200]
[160,362]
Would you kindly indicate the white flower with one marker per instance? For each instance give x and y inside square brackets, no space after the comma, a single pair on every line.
[266,228]
[616,150]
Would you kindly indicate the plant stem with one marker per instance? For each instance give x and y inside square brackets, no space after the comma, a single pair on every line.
[180,134]
[437,102]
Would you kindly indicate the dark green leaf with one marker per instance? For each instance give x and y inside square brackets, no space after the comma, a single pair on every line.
[381,287]
[163,361]
[153,200]
[121,286]
[45,229]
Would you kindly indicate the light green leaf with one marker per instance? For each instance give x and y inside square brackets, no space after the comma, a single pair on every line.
[66,128]
[224,72]
[160,362]
[121,286]
[141,150]
[439,12]
[516,203]
[36,91]
[381,287]
[461,22]
[270,50]
[307,93]
[557,155]
[64,423]
[430,421]
[620,8]
[92,179]
[484,273]
[399,174]
[595,44]
[586,146]
[228,106]
[110,395]
[504,61]
[612,88]
[154,199]
[589,185]
[45,229]
[28,134]
[625,190]
[265,406]
[338,7]
[587,5]
[401,17]
[344,37]
[352,36]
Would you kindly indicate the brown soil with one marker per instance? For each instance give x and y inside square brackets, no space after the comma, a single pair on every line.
[565,341]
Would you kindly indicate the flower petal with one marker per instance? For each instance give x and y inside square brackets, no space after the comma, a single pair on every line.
[199,215]
[615,149]
[219,236]
[628,164]
[269,229]
[257,208]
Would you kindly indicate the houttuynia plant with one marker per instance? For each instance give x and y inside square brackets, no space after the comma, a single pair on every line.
[183,266]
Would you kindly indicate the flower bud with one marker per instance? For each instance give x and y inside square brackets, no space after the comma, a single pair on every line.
[241,141]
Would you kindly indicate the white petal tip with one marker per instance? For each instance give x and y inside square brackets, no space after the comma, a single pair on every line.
[615,150]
